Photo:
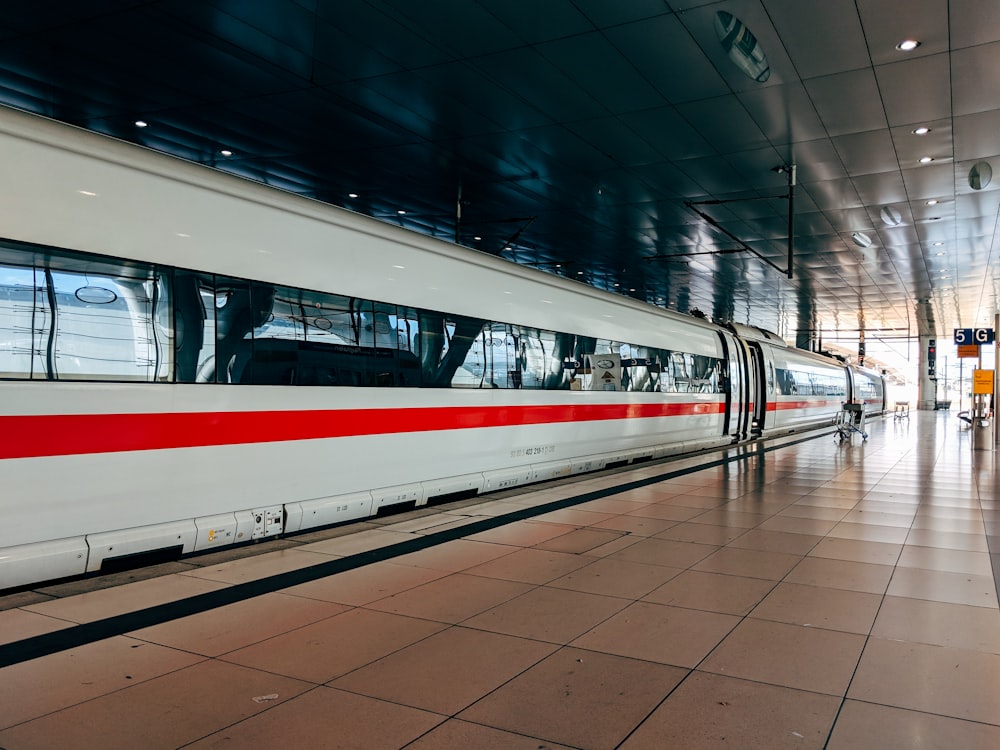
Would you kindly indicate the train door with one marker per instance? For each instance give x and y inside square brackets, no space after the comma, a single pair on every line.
[763,391]
[738,391]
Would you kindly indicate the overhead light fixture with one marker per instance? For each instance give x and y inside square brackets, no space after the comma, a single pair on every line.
[907,45]
[932,202]
[861,239]
[88,193]
[141,124]
[891,216]
[925,159]
[352,195]
[226,152]
[401,212]
[940,253]
[477,238]
[921,130]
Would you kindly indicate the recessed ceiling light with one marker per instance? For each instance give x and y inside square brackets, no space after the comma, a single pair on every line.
[908,44]
[861,239]
[921,130]
[88,193]
[941,253]
[141,124]
[352,195]
[400,267]
[932,202]
[891,216]
[925,159]
[226,152]
[631,290]
[938,244]
[401,212]
[477,238]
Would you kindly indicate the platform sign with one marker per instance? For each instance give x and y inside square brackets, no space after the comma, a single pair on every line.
[968,351]
[982,382]
[975,336]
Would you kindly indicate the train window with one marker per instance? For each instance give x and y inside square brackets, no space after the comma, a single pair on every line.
[108,325]
[195,304]
[24,322]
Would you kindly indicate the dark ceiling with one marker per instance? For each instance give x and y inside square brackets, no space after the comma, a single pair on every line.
[571,135]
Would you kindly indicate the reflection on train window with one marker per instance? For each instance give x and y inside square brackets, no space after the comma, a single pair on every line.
[113,324]
[24,322]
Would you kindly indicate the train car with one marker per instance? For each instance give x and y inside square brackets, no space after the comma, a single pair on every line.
[190,360]
[868,387]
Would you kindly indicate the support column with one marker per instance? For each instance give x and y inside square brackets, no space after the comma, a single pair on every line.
[927,368]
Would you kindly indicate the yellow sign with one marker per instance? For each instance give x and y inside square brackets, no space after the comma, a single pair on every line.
[982,381]
[968,350]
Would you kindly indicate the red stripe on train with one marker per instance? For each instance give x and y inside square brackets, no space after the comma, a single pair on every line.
[75,434]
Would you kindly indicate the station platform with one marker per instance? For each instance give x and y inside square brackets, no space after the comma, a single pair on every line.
[803,593]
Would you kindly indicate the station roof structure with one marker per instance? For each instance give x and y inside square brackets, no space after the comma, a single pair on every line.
[643,147]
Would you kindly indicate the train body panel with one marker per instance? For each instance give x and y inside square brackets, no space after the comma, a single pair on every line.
[303,365]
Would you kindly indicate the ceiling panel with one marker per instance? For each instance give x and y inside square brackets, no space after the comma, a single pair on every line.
[579,128]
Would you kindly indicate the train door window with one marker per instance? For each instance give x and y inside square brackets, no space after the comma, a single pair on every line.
[109,325]
[194,326]
[540,364]
[235,319]
[25,318]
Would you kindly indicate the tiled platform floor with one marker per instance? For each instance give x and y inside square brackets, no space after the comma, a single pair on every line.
[815,596]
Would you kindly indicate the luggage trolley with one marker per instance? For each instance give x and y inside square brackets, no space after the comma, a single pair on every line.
[850,420]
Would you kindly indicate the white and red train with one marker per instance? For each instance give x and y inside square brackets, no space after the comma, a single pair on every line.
[160,323]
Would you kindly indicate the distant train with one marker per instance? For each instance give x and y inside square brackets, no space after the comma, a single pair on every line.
[190,360]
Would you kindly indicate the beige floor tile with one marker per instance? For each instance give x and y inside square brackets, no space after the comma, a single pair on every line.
[862,725]
[869,532]
[447,671]
[667,552]
[578,698]
[429,523]
[750,563]
[651,494]
[813,512]
[616,578]
[456,733]
[50,683]
[352,544]
[712,711]
[454,556]
[821,661]
[654,632]
[951,560]
[841,574]
[945,681]
[939,624]
[366,584]
[701,533]
[813,606]
[730,518]
[18,624]
[879,518]
[522,533]
[616,504]
[665,512]
[237,625]
[548,614]
[326,718]
[575,517]
[330,648]
[688,500]
[581,541]
[947,540]
[879,553]
[960,525]
[636,525]
[727,594]
[530,566]
[622,542]
[776,541]
[943,586]
[794,525]
[259,566]
[451,599]
[827,498]
[165,712]
[98,605]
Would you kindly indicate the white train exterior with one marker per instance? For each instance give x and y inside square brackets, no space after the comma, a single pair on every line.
[160,323]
